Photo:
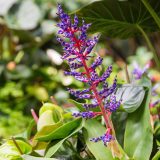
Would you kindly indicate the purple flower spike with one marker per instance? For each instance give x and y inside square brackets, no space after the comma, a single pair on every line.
[76,65]
[89,106]
[97,62]
[105,138]
[77,48]
[86,115]
[113,105]
[138,72]
[106,74]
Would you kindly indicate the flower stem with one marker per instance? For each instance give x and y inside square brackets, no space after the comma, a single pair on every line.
[98,98]
[34,115]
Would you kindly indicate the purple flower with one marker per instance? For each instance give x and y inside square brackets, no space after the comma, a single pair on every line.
[85,115]
[77,48]
[105,138]
[112,105]
[138,72]
[153,104]
[89,106]
[97,62]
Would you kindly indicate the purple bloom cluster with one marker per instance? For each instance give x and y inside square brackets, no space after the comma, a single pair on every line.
[77,48]
[85,115]
[105,138]
[138,72]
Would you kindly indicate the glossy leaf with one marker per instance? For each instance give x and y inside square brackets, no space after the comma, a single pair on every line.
[77,104]
[48,133]
[131,95]
[46,130]
[55,145]
[138,138]
[93,129]
[49,106]
[45,119]
[120,18]
[50,115]
[27,157]
[9,151]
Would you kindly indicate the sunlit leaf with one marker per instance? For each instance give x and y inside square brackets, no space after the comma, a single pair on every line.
[55,145]
[27,157]
[48,133]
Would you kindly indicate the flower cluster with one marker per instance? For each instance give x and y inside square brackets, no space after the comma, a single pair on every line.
[77,48]
[139,72]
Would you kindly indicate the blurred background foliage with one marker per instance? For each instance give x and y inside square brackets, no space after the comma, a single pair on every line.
[31,69]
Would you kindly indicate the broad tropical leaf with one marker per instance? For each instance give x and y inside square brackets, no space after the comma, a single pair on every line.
[121,19]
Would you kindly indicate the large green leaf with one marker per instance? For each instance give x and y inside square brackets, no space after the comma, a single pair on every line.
[92,129]
[121,19]
[55,145]
[131,95]
[48,134]
[138,134]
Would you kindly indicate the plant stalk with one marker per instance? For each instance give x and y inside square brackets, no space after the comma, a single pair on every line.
[156,58]
[127,74]
[17,146]
[104,114]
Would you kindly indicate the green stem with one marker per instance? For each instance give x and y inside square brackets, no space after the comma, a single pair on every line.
[156,58]
[127,74]
[17,146]
[152,12]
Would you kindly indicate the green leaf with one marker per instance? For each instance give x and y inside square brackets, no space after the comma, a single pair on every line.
[138,138]
[49,115]
[28,9]
[93,129]
[131,95]
[77,104]
[120,18]
[9,151]
[27,157]
[119,122]
[48,133]
[47,119]
[27,133]
[55,145]
[49,106]
[157,156]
